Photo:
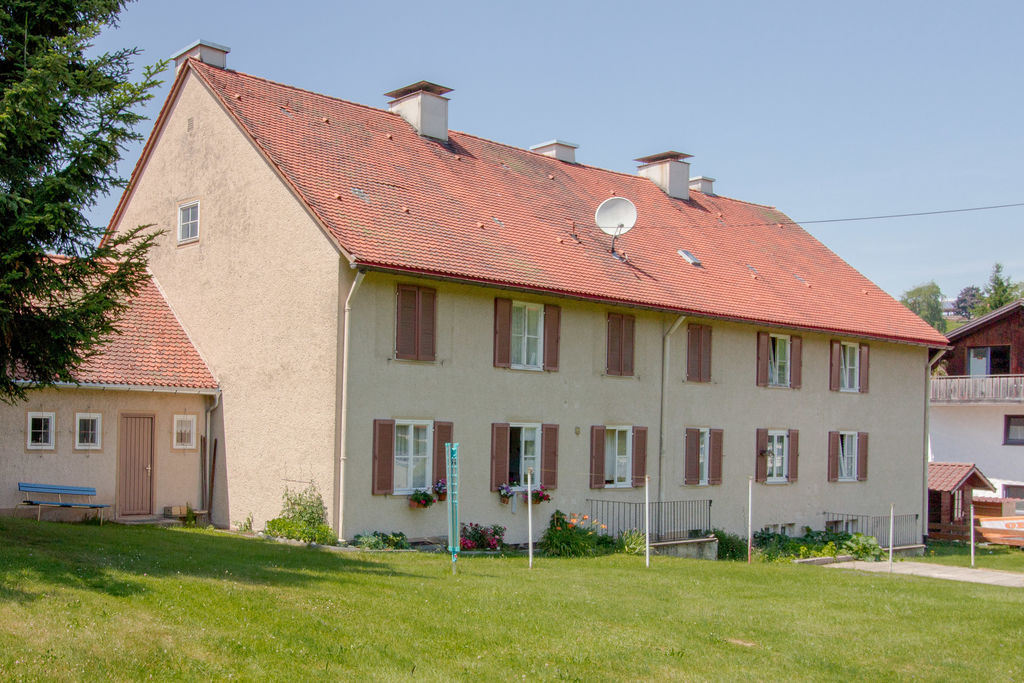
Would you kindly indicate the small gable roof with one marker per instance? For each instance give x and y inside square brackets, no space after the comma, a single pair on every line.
[951,476]
[479,211]
[986,319]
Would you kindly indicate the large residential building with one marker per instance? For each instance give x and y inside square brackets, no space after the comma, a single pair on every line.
[366,284]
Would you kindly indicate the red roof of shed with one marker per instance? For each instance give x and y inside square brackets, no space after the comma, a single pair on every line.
[950,476]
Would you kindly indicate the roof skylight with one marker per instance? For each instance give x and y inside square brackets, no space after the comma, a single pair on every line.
[690,258]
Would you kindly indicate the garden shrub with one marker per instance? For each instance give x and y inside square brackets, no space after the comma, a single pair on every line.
[303,517]
[773,547]
[479,537]
[574,536]
[383,540]
[730,546]
[863,547]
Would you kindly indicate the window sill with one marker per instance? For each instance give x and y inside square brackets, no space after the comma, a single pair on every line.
[776,482]
[847,481]
[1013,443]
[185,243]
[778,386]
[40,448]
[414,361]
[849,391]
[528,368]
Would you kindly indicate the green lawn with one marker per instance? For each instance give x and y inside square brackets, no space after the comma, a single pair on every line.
[112,602]
[985,557]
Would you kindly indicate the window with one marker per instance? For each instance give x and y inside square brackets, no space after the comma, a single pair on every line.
[188,223]
[88,431]
[184,432]
[778,455]
[778,360]
[40,431]
[617,456]
[523,454]
[1013,430]
[698,353]
[527,333]
[621,339]
[412,455]
[988,360]
[847,456]
[849,372]
[415,329]
[515,448]
[703,457]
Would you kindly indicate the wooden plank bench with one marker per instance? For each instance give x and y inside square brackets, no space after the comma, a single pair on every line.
[59,491]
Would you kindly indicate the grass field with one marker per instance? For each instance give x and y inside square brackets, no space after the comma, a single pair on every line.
[985,556]
[113,602]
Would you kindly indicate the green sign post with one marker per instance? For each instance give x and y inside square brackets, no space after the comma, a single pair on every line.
[452,471]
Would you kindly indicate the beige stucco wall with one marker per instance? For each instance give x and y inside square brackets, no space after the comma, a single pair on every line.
[462,386]
[258,295]
[176,479]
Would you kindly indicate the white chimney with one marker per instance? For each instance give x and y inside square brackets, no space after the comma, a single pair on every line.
[206,52]
[703,184]
[559,149]
[423,107]
[669,172]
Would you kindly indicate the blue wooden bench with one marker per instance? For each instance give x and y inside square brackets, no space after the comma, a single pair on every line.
[60,492]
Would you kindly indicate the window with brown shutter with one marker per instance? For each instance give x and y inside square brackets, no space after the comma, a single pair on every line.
[862,456]
[383,456]
[552,335]
[698,353]
[796,353]
[499,454]
[549,455]
[715,465]
[848,367]
[863,370]
[621,344]
[502,334]
[526,335]
[639,455]
[761,456]
[794,453]
[443,434]
[691,464]
[833,456]
[763,341]
[416,326]
[835,364]
[597,457]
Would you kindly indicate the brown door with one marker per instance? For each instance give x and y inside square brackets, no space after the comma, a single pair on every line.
[135,454]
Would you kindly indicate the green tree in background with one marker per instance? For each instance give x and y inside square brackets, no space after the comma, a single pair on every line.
[65,119]
[999,291]
[926,301]
[968,299]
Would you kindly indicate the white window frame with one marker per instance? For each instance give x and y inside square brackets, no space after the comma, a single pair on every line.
[848,454]
[621,462]
[406,487]
[523,340]
[183,446]
[523,465]
[849,373]
[777,437]
[775,377]
[82,445]
[703,455]
[51,435]
[181,224]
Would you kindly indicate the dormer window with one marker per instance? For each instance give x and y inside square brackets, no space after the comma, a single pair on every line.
[188,223]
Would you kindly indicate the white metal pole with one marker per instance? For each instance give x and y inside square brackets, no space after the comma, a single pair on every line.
[647,520]
[529,512]
[750,517]
[972,535]
[892,530]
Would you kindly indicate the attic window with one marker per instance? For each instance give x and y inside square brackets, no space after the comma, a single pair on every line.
[690,258]
[752,269]
[800,278]
[188,222]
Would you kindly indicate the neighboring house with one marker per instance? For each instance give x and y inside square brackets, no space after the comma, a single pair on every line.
[977,410]
[131,428]
[367,284]
[951,489]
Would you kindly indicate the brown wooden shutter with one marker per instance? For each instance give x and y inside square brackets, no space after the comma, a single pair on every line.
[502,333]
[705,353]
[833,456]
[862,456]
[426,337]
[835,365]
[549,456]
[405,327]
[442,435]
[639,455]
[614,348]
[762,359]
[691,462]
[761,459]
[715,464]
[628,344]
[863,368]
[383,457]
[796,369]
[552,333]
[794,454]
[597,457]
[499,454]
[693,353]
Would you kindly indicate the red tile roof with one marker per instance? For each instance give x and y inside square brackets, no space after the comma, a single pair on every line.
[950,476]
[480,211]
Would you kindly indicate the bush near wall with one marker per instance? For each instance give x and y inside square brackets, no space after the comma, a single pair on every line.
[303,518]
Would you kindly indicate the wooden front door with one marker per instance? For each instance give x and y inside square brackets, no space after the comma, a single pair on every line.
[135,455]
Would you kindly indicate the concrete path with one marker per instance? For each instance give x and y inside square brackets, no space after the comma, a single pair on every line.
[991,577]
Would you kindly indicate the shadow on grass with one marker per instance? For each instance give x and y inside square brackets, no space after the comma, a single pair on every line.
[112,559]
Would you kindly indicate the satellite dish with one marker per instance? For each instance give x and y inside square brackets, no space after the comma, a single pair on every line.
[615,216]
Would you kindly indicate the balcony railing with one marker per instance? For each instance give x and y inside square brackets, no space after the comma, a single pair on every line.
[978,389]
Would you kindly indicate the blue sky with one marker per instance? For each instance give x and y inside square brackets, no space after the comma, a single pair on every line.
[825,110]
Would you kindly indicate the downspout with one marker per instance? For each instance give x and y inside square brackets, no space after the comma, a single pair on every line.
[208,504]
[927,439]
[665,343]
[340,493]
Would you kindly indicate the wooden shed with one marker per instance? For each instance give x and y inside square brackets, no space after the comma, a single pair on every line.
[951,488]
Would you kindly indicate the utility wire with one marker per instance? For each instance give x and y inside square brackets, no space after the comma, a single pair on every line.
[907,215]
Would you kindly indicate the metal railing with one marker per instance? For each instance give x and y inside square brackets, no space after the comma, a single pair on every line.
[977,388]
[671,520]
[906,529]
